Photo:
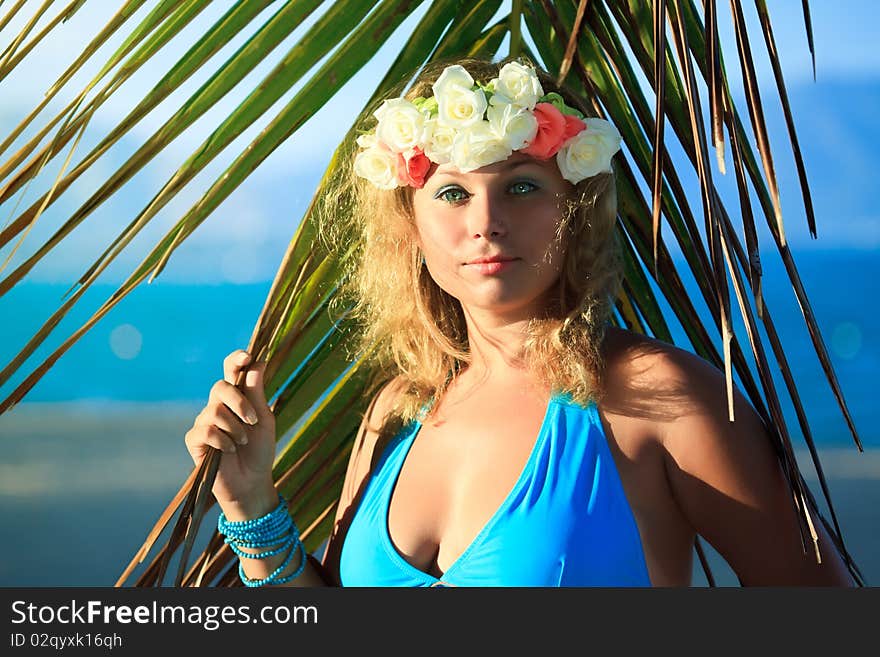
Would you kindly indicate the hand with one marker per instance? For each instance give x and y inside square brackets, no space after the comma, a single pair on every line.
[239,423]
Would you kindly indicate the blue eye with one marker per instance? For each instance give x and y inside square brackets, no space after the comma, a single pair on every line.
[451,195]
[523,187]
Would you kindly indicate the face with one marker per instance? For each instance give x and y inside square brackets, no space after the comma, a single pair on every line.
[489,236]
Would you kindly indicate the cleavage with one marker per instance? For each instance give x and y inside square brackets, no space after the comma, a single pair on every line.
[456,476]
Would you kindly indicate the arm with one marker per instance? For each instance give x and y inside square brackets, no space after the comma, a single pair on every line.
[326,572]
[239,422]
[728,483]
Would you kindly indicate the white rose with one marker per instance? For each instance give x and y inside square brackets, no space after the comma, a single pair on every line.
[401,125]
[458,104]
[515,126]
[477,147]
[451,79]
[517,84]
[589,152]
[461,109]
[438,141]
[378,165]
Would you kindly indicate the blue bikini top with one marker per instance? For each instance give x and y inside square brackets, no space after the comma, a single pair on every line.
[565,522]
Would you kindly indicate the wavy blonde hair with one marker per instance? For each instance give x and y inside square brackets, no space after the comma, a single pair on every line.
[416,332]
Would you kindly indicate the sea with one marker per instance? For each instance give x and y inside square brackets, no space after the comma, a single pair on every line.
[94,452]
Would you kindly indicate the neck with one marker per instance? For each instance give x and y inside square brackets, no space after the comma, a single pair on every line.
[496,343]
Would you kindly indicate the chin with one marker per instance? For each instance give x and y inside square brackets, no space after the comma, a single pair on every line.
[506,303]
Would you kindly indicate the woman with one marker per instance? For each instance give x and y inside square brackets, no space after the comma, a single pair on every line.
[521,439]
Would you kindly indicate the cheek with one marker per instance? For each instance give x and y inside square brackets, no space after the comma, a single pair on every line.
[543,238]
[435,248]
[438,238]
[557,258]
[442,268]
[440,248]
[443,275]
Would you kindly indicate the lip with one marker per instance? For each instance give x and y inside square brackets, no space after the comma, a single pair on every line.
[491,264]
[488,259]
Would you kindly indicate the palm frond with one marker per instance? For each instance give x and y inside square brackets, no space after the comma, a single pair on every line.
[603,48]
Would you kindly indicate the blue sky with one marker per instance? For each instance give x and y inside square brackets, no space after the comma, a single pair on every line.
[245,238]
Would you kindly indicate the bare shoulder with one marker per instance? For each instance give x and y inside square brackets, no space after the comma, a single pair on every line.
[653,381]
[363,451]
[682,401]
[651,384]
[382,404]
[723,475]
[674,389]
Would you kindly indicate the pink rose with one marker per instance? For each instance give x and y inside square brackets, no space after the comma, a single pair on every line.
[412,167]
[552,129]
[573,126]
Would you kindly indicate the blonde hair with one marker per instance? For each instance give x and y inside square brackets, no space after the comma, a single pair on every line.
[415,331]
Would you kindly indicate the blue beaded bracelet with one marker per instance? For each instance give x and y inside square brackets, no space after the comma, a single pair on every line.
[271,529]
[302,564]
[271,578]
[275,523]
[267,541]
[287,542]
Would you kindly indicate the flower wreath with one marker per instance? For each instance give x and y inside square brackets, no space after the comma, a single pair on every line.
[473,125]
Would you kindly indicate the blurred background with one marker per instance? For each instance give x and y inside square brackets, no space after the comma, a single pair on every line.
[95,451]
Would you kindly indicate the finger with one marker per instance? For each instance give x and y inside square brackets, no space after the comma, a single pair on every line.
[233,364]
[199,439]
[225,394]
[222,417]
[255,390]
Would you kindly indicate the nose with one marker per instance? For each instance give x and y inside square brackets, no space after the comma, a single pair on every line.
[486,217]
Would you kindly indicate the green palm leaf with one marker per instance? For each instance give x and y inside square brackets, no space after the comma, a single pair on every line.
[317,394]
